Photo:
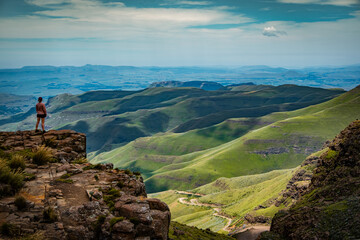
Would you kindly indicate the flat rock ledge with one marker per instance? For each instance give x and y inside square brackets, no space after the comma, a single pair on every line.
[65,144]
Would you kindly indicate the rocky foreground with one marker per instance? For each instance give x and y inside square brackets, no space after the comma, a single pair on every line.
[68,198]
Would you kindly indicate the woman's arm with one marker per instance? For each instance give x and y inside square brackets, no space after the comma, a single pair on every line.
[44,108]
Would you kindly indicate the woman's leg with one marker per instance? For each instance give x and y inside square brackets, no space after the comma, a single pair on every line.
[43,123]
[37,123]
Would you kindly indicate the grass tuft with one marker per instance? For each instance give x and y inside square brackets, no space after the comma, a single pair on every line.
[8,229]
[66,175]
[80,161]
[17,162]
[42,156]
[331,154]
[91,166]
[50,215]
[97,225]
[20,202]
[11,180]
[114,220]
[64,180]
[110,196]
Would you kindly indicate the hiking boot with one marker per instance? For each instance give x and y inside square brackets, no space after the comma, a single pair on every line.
[37,130]
[44,131]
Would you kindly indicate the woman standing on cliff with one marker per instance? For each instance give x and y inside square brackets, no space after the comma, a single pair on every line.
[41,114]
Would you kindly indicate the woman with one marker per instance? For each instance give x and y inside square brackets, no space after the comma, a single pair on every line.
[41,114]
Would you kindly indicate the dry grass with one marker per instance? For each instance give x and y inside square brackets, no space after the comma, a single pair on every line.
[42,155]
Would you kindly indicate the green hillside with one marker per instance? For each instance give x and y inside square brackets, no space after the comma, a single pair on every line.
[234,196]
[112,119]
[283,141]
[201,217]
[243,198]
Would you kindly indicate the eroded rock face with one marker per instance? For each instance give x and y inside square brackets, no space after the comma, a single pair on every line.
[329,207]
[84,201]
[299,183]
[65,144]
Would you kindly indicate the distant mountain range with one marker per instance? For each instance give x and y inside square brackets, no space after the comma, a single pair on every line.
[209,86]
[48,81]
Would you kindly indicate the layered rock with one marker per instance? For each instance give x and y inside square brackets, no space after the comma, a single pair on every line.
[329,207]
[65,144]
[83,201]
[299,183]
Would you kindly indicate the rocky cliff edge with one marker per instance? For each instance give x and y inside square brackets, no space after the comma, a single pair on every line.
[49,191]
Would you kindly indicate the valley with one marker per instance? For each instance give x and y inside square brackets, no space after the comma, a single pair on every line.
[220,158]
[276,141]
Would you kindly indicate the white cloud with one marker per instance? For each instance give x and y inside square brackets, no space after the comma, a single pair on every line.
[46,2]
[272,32]
[323,2]
[185,2]
[118,35]
[195,2]
[92,18]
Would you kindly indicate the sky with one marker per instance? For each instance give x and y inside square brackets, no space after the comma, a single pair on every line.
[286,33]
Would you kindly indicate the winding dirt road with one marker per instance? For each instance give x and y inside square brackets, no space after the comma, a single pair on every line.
[216,208]
[248,233]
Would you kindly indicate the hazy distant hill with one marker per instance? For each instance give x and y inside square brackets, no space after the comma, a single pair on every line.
[47,81]
[11,104]
[209,86]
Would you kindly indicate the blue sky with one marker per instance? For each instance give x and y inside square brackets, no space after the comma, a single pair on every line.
[289,33]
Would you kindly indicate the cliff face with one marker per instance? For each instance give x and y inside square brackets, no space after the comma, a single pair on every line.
[329,208]
[68,198]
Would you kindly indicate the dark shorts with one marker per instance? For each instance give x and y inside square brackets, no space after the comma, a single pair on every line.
[41,115]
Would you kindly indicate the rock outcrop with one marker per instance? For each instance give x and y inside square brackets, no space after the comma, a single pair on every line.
[76,200]
[329,207]
[299,183]
[65,144]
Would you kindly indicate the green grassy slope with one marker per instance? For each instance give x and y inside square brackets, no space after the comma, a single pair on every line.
[201,217]
[252,104]
[282,144]
[224,184]
[236,197]
[240,195]
[113,118]
[242,200]
[166,148]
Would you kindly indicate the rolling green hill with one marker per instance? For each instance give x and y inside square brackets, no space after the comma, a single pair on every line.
[281,140]
[234,196]
[114,118]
